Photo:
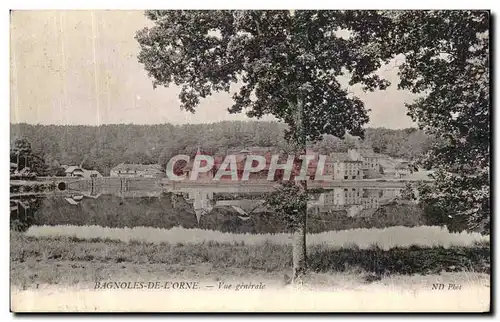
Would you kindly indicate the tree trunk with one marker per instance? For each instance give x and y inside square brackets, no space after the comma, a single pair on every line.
[299,254]
[299,235]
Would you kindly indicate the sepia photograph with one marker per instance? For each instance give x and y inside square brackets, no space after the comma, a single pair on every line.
[250,161]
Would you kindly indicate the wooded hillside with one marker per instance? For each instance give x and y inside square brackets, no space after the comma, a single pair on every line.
[103,147]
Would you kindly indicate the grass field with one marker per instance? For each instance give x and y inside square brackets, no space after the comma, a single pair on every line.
[35,259]
[55,268]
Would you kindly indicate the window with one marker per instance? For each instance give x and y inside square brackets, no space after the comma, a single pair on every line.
[346,177]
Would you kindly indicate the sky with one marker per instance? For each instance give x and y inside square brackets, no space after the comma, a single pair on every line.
[80,67]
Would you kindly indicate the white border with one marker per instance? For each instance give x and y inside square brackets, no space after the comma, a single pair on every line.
[256,4]
[186,4]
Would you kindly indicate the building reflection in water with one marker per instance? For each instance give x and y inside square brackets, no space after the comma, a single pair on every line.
[355,201]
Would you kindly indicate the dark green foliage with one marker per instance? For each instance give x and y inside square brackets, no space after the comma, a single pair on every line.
[22,153]
[289,202]
[24,213]
[447,61]
[412,260]
[281,61]
[437,214]
[409,144]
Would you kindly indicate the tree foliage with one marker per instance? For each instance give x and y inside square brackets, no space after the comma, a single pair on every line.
[276,59]
[447,62]
[288,201]
[21,148]
[286,65]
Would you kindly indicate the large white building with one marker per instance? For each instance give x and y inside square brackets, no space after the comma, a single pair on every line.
[371,161]
[137,170]
[75,171]
[345,168]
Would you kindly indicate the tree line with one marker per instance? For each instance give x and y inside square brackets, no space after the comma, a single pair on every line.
[101,148]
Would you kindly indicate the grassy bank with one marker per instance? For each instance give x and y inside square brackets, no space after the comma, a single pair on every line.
[266,257]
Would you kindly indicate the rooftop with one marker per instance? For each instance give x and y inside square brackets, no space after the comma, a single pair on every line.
[343,157]
[125,166]
[73,168]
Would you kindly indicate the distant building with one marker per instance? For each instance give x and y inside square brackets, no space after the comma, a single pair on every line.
[76,171]
[240,156]
[91,174]
[388,167]
[402,170]
[137,170]
[345,168]
[188,168]
[353,196]
[371,161]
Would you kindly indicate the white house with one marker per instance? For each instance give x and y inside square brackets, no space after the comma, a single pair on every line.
[345,168]
[75,171]
[137,170]
[370,161]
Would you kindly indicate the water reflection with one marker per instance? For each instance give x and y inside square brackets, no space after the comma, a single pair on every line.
[242,200]
[355,201]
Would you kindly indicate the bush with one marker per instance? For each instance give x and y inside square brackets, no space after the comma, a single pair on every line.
[412,260]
